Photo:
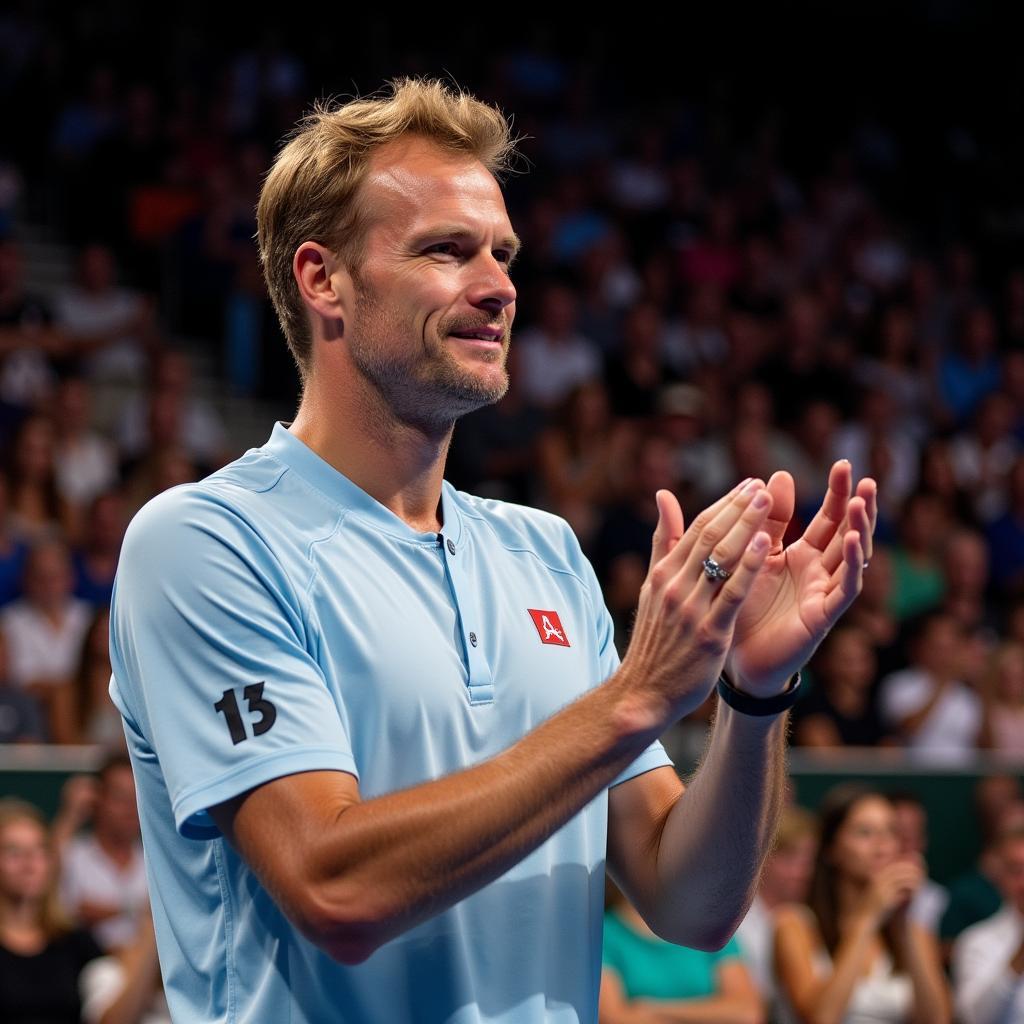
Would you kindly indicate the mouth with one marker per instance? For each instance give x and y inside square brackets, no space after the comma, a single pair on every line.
[491,335]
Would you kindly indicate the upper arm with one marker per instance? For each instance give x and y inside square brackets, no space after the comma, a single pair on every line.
[613,1002]
[212,660]
[735,981]
[637,810]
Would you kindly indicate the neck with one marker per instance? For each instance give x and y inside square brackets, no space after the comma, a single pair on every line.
[399,464]
[849,896]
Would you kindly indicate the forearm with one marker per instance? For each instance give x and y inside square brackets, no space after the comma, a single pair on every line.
[399,859]
[931,1000]
[718,833]
[711,1010]
[849,961]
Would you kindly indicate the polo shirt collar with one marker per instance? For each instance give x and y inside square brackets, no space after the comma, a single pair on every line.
[294,453]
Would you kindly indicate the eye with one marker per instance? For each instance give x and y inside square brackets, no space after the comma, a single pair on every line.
[445,248]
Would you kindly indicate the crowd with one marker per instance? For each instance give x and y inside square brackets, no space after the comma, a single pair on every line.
[698,304]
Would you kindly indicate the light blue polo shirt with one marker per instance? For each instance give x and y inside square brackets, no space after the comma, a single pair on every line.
[274,618]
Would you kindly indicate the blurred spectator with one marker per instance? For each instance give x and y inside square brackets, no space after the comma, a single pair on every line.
[584,457]
[85,462]
[103,877]
[927,705]
[785,879]
[41,956]
[840,710]
[95,559]
[918,581]
[974,895]
[642,973]
[110,329]
[855,954]
[26,339]
[965,568]
[634,376]
[984,455]
[44,629]
[970,371]
[13,551]
[555,358]
[170,414]
[37,511]
[91,715]
[700,340]
[1003,697]
[930,899]
[1006,537]
[988,957]
[21,719]
[126,988]
[871,612]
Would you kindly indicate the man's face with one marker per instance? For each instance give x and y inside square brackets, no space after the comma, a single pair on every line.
[435,271]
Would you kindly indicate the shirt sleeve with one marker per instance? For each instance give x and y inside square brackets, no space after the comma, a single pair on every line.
[986,989]
[211,649]
[655,756]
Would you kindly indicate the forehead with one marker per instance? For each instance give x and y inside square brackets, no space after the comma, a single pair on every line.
[412,183]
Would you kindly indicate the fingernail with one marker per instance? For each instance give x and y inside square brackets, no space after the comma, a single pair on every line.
[761,500]
[751,485]
[760,542]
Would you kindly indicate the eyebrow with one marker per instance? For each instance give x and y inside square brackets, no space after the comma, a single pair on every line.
[512,242]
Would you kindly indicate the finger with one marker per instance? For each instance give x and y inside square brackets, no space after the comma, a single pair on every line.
[783,492]
[855,518]
[824,526]
[868,490]
[670,525]
[712,524]
[729,600]
[847,578]
[728,551]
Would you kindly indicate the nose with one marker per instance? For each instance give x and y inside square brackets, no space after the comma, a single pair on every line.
[492,288]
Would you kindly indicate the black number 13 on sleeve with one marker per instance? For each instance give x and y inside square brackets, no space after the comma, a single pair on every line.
[228,707]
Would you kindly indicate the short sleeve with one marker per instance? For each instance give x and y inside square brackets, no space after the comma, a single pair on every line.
[210,644]
[655,756]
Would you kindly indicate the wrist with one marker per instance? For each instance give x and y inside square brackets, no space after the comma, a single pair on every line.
[759,706]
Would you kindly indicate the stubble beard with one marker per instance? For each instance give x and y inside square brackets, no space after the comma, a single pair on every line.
[419,382]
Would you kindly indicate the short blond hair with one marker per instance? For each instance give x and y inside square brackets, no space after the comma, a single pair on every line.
[311,191]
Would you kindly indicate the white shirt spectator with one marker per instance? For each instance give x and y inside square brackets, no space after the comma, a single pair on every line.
[550,369]
[986,989]
[756,935]
[950,731]
[928,904]
[84,469]
[88,875]
[101,983]
[39,650]
[87,313]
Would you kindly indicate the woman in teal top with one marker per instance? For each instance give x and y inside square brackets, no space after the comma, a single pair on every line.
[672,983]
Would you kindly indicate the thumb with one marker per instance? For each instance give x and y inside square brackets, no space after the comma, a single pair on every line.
[670,526]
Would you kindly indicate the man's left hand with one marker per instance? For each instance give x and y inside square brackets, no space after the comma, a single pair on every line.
[802,590]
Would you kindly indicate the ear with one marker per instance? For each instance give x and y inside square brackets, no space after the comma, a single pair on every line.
[325,285]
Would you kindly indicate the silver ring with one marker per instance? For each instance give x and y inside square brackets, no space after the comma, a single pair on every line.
[714,571]
[865,565]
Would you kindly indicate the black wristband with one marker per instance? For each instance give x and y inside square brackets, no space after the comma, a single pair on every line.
[760,706]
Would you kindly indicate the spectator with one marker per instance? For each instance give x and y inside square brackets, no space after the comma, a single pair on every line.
[926,704]
[1006,537]
[85,463]
[37,511]
[974,895]
[103,879]
[644,975]
[1003,697]
[95,560]
[840,711]
[41,955]
[21,718]
[13,551]
[931,899]
[93,718]
[918,581]
[44,629]
[785,879]
[555,358]
[988,957]
[855,954]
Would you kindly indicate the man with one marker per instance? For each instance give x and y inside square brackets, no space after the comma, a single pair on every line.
[103,876]
[373,719]
[988,958]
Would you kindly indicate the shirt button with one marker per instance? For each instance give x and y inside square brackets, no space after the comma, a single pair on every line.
[451,546]
[472,636]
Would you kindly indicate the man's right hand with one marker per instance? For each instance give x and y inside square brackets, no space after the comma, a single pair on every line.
[685,621]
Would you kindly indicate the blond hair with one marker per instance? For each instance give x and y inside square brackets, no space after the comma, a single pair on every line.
[311,191]
[50,915]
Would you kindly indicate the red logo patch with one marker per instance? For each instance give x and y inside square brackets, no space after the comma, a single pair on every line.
[549,627]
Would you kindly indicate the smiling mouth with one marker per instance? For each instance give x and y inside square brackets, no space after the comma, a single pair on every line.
[489,334]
